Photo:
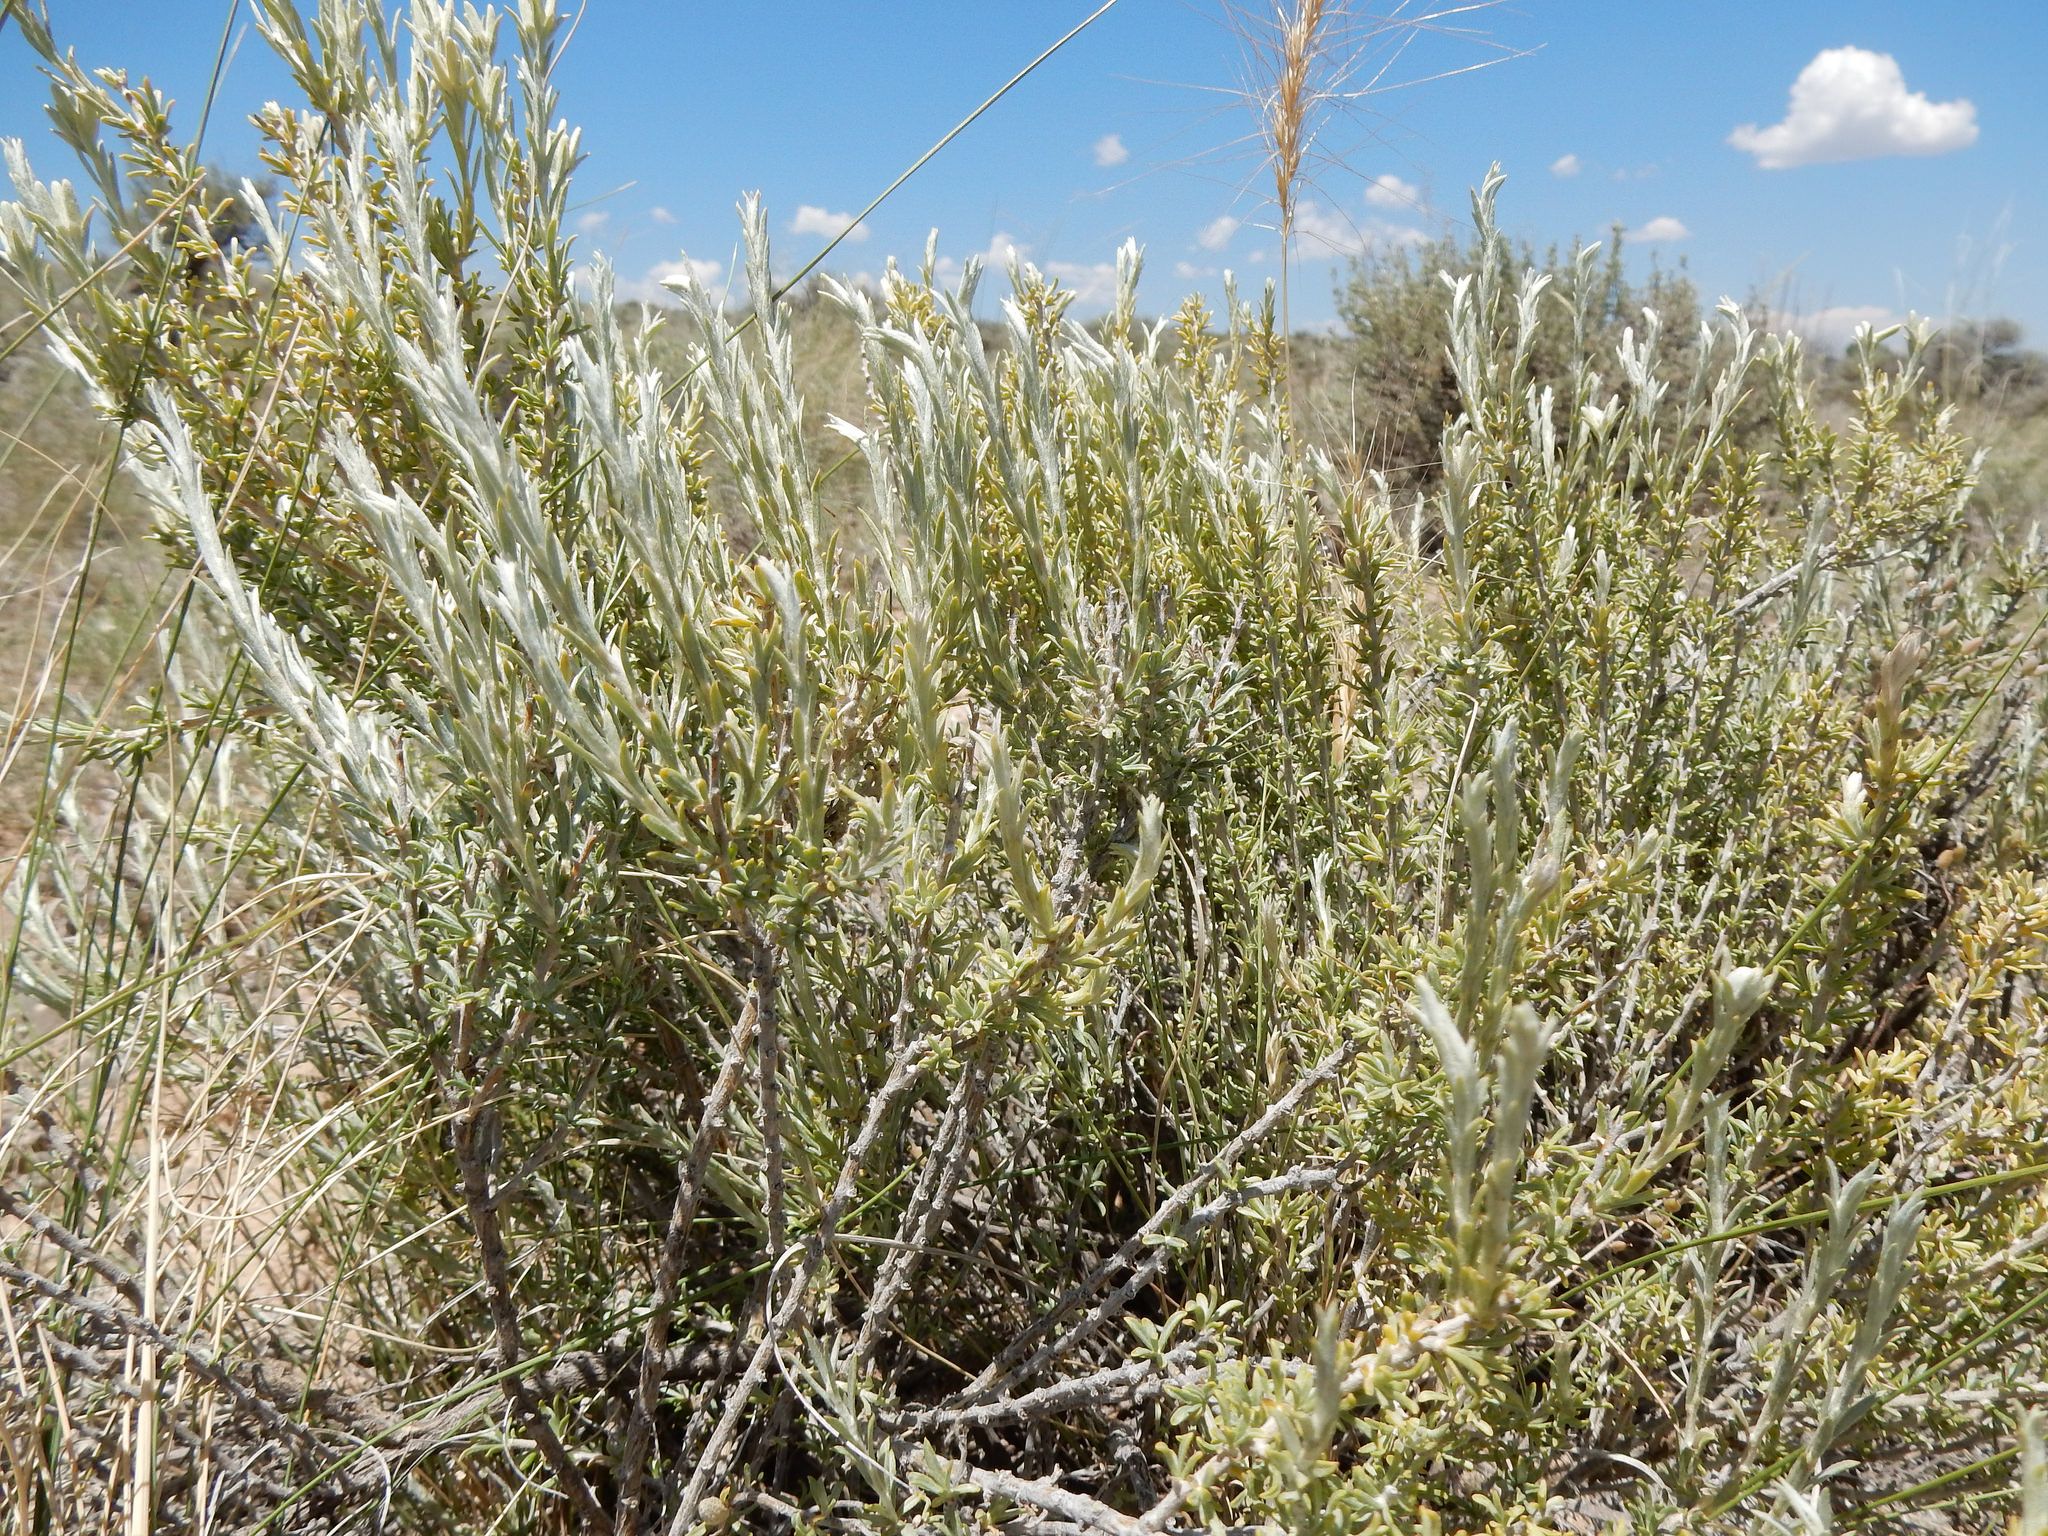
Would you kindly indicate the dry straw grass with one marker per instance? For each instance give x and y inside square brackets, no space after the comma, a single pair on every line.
[1308,69]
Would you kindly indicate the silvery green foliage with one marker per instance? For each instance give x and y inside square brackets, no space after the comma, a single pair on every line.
[1138,959]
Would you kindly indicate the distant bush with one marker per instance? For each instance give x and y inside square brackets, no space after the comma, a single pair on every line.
[1146,997]
[1999,390]
[1392,390]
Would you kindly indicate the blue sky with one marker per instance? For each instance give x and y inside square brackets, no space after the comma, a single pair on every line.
[1910,176]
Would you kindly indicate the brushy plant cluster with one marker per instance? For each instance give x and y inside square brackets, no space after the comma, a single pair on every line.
[1157,990]
[2000,390]
[1389,388]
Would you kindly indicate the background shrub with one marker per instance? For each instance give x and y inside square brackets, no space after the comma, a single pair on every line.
[1389,388]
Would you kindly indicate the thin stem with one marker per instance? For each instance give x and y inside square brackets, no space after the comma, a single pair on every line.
[689,1193]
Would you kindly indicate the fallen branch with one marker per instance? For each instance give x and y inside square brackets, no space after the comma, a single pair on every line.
[1135,1381]
[1077,1508]
[123,1280]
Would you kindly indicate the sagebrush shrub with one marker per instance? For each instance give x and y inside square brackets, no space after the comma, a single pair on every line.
[1150,989]
[1391,390]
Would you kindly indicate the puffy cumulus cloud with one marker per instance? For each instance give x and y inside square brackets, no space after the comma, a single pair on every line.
[1663,229]
[1091,282]
[1325,232]
[1852,104]
[1188,272]
[594,221]
[651,288]
[654,287]
[703,273]
[1833,328]
[822,221]
[1109,150]
[1566,165]
[995,258]
[1390,191]
[661,216]
[1217,232]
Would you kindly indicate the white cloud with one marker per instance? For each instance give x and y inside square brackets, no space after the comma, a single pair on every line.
[1324,232]
[1565,165]
[1832,329]
[651,288]
[661,216]
[593,221]
[1852,104]
[1663,228]
[1092,282]
[1390,191]
[820,221]
[996,258]
[1109,150]
[1001,247]
[1217,232]
[1187,271]
[682,271]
